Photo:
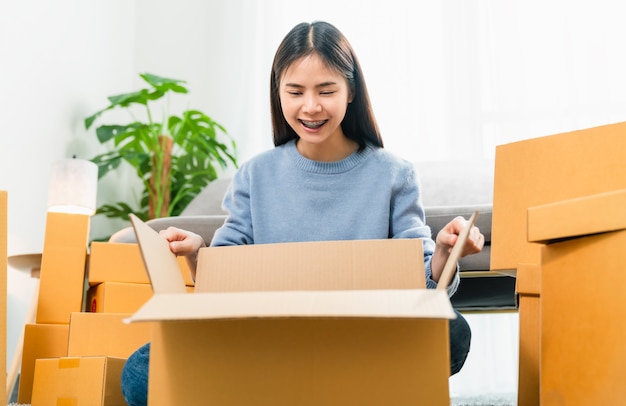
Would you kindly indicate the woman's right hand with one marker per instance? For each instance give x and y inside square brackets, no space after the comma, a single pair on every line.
[184,243]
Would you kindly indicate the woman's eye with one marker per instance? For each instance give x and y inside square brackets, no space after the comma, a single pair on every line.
[327,92]
[294,93]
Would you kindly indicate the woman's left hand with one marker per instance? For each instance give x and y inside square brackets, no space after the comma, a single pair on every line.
[448,236]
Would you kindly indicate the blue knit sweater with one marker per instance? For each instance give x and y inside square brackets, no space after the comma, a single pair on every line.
[281,196]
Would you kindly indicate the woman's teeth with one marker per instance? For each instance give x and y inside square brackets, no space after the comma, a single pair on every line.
[313,124]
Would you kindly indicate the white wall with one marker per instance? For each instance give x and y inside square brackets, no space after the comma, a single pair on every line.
[60,59]
[446,79]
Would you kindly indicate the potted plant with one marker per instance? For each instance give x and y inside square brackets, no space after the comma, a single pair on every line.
[175,156]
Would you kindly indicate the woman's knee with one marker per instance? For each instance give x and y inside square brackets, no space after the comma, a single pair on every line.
[460,341]
[134,379]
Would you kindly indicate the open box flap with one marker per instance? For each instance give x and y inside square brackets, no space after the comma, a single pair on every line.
[381,303]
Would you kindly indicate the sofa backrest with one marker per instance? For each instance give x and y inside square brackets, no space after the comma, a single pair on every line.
[209,201]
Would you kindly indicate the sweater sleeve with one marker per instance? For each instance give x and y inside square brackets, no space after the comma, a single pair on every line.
[408,220]
[237,229]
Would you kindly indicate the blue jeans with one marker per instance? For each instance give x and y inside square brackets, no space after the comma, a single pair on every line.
[135,372]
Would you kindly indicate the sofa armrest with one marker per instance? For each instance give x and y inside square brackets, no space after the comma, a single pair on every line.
[205,226]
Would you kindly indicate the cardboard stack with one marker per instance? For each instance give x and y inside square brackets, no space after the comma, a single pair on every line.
[61,288]
[89,373]
[543,171]
[78,355]
[118,282]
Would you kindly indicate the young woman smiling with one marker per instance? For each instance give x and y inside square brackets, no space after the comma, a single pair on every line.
[328,178]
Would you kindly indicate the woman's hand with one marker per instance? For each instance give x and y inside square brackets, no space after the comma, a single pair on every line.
[184,243]
[450,233]
[447,237]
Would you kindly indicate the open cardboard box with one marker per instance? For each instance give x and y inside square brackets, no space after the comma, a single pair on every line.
[342,322]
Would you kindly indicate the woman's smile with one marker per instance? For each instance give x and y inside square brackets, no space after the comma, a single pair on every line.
[313,125]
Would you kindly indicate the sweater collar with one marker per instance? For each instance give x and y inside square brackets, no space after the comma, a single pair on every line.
[329,168]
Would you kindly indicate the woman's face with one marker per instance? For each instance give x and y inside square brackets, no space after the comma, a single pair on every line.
[314,99]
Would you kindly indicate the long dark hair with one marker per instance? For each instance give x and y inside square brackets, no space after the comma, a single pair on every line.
[323,39]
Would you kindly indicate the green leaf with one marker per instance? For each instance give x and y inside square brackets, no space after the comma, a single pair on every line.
[126,99]
[164,84]
[89,120]
[107,162]
[106,133]
[120,210]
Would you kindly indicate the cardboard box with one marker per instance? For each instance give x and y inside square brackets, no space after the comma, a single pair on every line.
[78,381]
[119,297]
[40,341]
[3,284]
[536,172]
[528,287]
[105,334]
[582,290]
[62,277]
[343,322]
[582,333]
[121,262]
[581,216]
[545,170]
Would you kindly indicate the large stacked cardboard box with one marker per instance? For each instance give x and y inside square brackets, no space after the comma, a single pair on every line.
[583,285]
[3,282]
[535,172]
[61,288]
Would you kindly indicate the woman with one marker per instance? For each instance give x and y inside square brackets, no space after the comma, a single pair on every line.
[328,177]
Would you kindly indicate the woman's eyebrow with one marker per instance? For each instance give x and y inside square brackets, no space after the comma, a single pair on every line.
[323,84]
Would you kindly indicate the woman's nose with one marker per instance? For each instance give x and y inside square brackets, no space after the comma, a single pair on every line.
[311,105]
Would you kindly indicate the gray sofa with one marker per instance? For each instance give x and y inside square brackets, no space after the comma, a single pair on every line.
[450,189]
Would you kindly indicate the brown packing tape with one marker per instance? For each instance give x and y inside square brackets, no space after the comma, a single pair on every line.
[69,362]
[67,402]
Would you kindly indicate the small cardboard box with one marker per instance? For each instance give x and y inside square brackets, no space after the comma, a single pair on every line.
[78,381]
[105,334]
[62,277]
[119,297]
[340,322]
[583,285]
[40,341]
[121,262]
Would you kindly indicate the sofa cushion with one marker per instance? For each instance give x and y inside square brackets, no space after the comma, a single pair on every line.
[209,200]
